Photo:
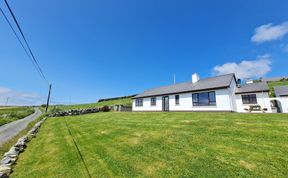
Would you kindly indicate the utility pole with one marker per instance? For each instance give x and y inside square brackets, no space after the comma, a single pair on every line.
[48,99]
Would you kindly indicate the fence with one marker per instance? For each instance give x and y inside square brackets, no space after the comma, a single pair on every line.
[122,108]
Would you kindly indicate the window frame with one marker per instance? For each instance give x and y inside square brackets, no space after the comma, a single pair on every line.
[249,98]
[153,101]
[211,100]
[177,99]
[139,102]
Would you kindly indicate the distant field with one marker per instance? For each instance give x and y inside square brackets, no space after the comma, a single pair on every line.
[6,107]
[126,102]
[10,114]
[159,145]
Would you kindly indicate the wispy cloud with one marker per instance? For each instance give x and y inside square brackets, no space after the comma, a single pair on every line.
[19,98]
[246,68]
[270,32]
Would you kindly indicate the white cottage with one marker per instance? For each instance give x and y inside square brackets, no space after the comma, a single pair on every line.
[220,93]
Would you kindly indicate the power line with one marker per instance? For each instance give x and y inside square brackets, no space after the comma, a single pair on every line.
[19,28]
[22,45]
[7,20]
[28,46]
[31,56]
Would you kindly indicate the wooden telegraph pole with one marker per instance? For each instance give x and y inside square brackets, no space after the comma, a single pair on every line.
[48,99]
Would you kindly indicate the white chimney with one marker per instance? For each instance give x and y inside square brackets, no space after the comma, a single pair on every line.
[249,81]
[195,78]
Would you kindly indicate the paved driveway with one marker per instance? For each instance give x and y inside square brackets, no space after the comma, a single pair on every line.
[11,129]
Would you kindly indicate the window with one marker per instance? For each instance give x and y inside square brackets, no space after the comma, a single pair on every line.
[204,99]
[153,101]
[139,102]
[249,99]
[177,100]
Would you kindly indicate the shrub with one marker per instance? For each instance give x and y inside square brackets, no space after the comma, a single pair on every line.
[105,109]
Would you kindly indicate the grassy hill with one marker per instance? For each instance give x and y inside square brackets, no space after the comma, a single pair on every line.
[124,101]
[273,84]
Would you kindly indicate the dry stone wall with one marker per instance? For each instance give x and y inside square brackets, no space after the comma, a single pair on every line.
[12,155]
[74,112]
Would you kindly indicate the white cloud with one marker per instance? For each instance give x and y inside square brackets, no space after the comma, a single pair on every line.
[247,68]
[19,98]
[269,32]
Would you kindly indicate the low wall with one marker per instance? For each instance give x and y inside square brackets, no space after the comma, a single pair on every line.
[10,157]
[122,108]
[75,112]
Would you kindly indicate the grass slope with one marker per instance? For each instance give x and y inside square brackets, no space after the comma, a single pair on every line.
[160,145]
[273,84]
[11,114]
[126,102]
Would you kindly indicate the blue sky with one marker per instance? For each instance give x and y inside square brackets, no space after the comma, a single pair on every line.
[95,49]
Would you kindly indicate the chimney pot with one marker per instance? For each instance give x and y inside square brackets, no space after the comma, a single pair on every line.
[195,78]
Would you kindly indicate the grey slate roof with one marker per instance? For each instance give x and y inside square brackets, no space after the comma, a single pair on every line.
[222,81]
[253,87]
[281,90]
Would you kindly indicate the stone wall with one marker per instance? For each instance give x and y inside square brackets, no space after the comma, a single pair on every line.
[75,112]
[122,108]
[11,156]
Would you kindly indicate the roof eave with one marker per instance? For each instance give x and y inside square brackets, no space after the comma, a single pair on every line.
[252,91]
[216,88]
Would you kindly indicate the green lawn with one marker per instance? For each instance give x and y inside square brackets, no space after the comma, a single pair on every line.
[126,102]
[11,114]
[160,145]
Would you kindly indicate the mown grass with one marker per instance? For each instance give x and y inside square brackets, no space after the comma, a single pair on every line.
[160,145]
[14,113]
[126,102]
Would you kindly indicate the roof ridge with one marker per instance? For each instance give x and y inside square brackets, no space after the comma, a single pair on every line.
[215,82]
[219,76]
[190,81]
[166,86]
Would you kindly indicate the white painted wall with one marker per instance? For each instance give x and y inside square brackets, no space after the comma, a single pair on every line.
[223,103]
[232,95]
[284,103]
[283,100]
[262,100]
[147,105]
